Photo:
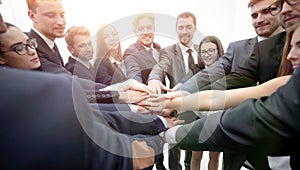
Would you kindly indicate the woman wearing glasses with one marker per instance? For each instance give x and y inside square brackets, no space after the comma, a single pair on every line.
[210,50]
[17,50]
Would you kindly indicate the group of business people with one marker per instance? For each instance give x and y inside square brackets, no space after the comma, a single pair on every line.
[32,141]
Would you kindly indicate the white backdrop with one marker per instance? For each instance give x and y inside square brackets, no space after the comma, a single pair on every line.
[228,20]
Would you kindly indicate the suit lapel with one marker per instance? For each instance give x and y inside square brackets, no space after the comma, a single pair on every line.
[44,50]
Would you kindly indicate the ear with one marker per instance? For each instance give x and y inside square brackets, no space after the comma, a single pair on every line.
[70,48]
[31,15]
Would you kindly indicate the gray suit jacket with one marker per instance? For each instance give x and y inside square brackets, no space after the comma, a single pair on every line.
[236,54]
[139,62]
[171,65]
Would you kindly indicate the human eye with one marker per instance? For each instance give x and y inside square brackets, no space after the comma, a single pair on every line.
[20,48]
[50,14]
[254,15]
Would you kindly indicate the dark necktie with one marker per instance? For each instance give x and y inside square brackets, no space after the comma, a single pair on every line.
[191,62]
[91,69]
[57,54]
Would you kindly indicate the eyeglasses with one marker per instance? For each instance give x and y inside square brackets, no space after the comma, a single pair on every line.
[276,7]
[210,51]
[21,48]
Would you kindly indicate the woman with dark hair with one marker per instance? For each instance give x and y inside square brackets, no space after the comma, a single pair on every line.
[210,49]
[109,63]
[17,50]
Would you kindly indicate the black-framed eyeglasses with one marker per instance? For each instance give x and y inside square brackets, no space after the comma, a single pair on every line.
[21,48]
[276,7]
[209,51]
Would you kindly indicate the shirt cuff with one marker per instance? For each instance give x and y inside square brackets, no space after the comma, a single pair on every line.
[165,122]
[133,108]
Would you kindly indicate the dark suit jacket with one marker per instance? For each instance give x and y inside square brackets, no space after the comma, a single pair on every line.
[53,131]
[107,72]
[172,65]
[269,124]
[52,63]
[139,62]
[49,61]
[78,69]
[262,66]
[236,54]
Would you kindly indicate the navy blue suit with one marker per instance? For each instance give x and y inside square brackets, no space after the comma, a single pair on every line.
[47,123]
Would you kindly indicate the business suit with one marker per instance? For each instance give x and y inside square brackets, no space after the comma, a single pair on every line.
[107,72]
[50,62]
[80,70]
[236,54]
[139,62]
[53,131]
[268,124]
[262,65]
[171,65]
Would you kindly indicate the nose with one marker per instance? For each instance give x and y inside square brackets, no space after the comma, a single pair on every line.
[260,18]
[31,51]
[293,55]
[286,8]
[60,20]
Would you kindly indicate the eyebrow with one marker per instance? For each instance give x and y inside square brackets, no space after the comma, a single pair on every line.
[17,43]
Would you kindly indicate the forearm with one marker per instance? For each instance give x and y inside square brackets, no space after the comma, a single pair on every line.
[221,99]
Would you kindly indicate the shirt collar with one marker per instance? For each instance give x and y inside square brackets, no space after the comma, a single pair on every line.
[259,38]
[147,48]
[184,48]
[113,60]
[47,40]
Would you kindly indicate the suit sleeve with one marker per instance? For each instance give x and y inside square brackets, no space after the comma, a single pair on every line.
[133,69]
[269,124]
[162,67]
[211,74]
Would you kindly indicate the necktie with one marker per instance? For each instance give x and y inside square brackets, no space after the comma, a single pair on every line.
[191,62]
[57,54]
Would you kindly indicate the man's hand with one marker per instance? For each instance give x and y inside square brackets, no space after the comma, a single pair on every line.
[143,155]
[156,86]
[173,121]
[132,84]
[159,102]
[133,96]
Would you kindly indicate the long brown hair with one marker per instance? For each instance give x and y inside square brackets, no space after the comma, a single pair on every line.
[285,67]
[102,52]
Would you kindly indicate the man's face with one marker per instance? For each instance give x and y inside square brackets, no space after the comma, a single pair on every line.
[144,30]
[289,15]
[82,47]
[185,29]
[49,18]
[263,22]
